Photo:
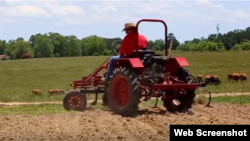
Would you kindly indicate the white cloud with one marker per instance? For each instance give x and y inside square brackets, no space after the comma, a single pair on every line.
[201,11]
[23,11]
[38,8]
[12,1]
[65,9]
[7,21]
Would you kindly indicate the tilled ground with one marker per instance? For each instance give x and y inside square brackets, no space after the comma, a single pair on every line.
[104,125]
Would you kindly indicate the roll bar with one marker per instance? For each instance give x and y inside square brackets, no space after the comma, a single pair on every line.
[166,32]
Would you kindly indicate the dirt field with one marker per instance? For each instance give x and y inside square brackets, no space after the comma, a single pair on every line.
[104,125]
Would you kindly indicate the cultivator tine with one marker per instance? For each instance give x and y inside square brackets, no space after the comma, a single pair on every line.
[210,97]
[156,102]
[95,101]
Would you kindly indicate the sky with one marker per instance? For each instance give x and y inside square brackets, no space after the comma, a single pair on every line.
[186,19]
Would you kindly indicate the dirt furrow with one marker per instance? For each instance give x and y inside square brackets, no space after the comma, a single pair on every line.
[104,125]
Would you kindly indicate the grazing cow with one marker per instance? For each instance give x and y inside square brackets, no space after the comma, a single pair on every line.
[56,91]
[207,77]
[230,76]
[216,76]
[212,79]
[236,77]
[200,78]
[59,91]
[37,92]
[243,77]
[51,92]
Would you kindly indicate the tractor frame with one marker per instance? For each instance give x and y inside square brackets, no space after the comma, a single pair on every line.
[144,74]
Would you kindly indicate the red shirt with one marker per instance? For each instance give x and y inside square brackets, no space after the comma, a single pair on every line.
[129,43]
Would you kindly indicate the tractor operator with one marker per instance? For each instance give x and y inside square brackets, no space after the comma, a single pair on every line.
[127,47]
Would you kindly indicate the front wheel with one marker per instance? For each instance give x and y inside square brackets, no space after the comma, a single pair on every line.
[124,92]
[75,100]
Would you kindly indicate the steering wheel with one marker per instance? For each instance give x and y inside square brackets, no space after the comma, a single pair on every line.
[114,47]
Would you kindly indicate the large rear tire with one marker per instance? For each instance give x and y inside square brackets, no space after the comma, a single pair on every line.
[75,100]
[185,100]
[124,92]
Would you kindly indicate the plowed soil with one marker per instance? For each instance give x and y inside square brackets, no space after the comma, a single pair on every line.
[98,124]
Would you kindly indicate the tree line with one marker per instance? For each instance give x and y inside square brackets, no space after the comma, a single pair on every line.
[56,45]
[236,40]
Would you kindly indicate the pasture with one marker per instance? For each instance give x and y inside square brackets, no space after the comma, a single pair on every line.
[20,77]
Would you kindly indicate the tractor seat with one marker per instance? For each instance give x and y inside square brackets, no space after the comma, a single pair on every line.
[141,53]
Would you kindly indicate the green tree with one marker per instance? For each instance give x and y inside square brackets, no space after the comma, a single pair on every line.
[245,46]
[2,46]
[94,45]
[20,47]
[176,43]
[159,44]
[43,46]
[10,49]
[72,46]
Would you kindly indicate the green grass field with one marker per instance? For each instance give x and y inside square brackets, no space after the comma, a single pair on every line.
[19,77]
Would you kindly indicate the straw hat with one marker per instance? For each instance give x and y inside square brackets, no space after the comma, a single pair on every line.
[129,25]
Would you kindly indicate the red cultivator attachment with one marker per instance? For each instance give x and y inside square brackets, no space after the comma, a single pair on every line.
[143,74]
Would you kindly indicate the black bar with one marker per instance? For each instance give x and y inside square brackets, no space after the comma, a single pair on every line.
[92,90]
[210,132]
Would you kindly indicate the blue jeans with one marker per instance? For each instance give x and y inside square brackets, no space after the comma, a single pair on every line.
[111,63]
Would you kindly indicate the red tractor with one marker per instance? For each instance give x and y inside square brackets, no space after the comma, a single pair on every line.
[144,74]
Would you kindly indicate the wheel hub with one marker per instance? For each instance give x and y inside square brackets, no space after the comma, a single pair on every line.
[123,97]
[75,101]
[176,102]
[120,91]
